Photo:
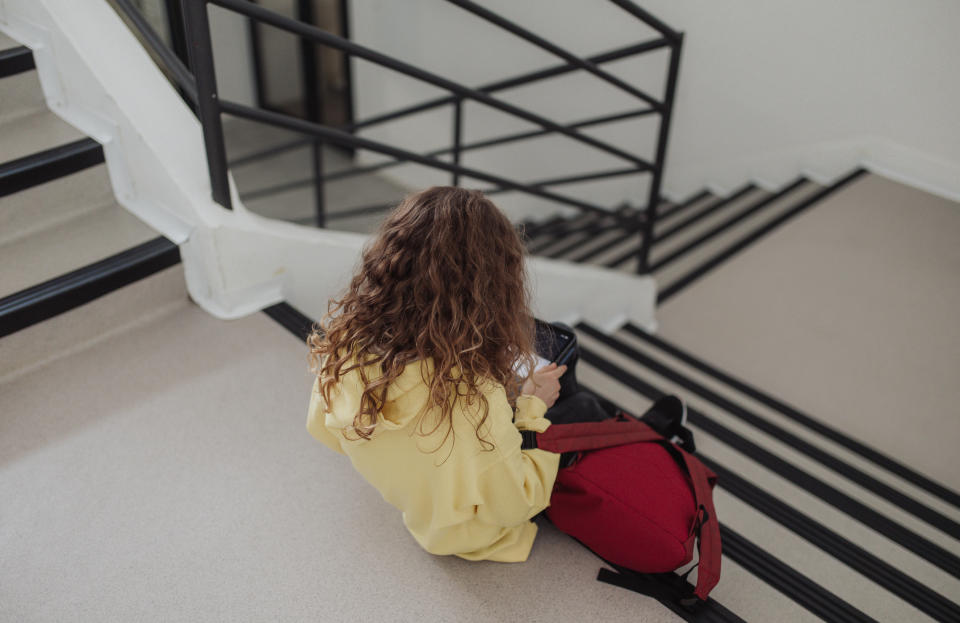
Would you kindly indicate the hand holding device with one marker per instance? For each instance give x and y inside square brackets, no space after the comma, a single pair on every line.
[545,383]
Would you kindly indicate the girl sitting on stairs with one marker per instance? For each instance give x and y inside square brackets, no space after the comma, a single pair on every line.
[416,382]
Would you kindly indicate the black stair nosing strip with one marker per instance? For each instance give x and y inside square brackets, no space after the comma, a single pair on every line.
[837,465]
[808,421]
[717,260]
[922,547]
[726,224]
[872,567]
[657,238]
[744,190]
[693,218]
[590,254]
[572,227]
[15,61]
[591,242]
[580,239]
[292,319]
[550,240]
[793,584]
[61,294]
[833,544]
[49,164]
[683,205]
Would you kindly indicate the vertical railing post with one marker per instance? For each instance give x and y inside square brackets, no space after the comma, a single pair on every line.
[457,136]
[200,50]
[653,200]
[312,102]
[178,38]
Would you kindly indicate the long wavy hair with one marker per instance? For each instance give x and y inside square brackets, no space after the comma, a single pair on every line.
[442,278]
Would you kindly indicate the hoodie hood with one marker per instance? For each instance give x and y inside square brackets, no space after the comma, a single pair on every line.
[406,396]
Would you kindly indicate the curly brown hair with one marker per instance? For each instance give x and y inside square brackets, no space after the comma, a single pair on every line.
[442,278]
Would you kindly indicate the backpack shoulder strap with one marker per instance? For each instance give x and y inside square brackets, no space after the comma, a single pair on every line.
[707,526]
[581,436]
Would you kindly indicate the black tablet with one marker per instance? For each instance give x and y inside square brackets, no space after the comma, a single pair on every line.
[553,343]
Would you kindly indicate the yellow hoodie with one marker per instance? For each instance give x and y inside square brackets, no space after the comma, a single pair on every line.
[476,504]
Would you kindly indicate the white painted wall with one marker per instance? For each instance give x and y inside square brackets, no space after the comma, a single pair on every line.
[230,38]
[767,89]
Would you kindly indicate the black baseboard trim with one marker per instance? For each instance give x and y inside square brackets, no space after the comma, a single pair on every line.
[15,61]
[292,319]
[61,294]
[50,164]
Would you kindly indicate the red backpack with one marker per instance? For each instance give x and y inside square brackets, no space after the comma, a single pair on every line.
[636,500]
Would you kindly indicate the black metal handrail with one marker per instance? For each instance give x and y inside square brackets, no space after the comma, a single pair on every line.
[199,87]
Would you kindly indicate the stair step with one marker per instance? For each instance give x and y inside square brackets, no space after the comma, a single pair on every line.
[676,210]
[556,229]
[44,300]
[557,246]
[769,222]
[823,434]
[684,264]
[664,257]
[602,230]
[58,328]
[28,211]
[706,220]
[19,85]
[774,493]
[72,243]
[33,133]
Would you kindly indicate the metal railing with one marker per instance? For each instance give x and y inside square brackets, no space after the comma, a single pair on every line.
[198,84]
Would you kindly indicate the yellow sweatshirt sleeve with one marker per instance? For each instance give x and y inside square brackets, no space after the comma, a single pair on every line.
[518,486]
[317,420]
[529,413]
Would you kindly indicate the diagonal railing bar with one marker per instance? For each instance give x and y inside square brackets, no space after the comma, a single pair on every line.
[340,137]
[492,87]
[647,18]
[554,49]
[515,81]
[585,123]
[321,36]
[175,66]
[373,168]
[570,179]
